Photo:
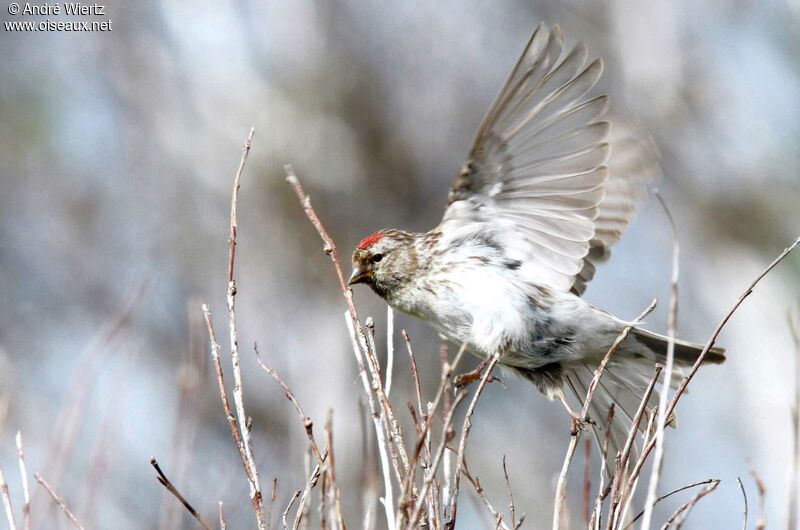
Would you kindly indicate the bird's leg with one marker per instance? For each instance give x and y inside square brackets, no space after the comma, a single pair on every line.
[577,422]
[467,378]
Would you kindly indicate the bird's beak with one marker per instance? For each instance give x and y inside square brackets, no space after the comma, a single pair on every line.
[357,276]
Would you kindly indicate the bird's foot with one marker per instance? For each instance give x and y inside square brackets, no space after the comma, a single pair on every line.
[467,378]
[577,423]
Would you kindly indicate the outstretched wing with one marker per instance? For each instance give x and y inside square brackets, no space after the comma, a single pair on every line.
[538,174]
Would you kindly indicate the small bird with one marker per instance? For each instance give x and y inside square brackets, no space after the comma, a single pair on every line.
[548,187]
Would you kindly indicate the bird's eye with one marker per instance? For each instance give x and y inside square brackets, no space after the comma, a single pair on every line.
[376,258]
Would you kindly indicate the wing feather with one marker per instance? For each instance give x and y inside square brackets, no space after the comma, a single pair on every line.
[546,174]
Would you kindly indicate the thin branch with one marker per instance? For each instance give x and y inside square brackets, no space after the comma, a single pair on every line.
[670,494]
[215,358]
[511,505]
[602,491]
[672,323]
[162,478]
[761,489]
[23,472]
[308,425]
[272,498]
[648,447]
[58,501]
[310,484]
[423,437]
[234,200]
[462,445]
[389,349]
[794,486]
[680,515]
[336,505]
[383,444]
[295,495]
[222,525]
[584,415]
[476,483]
[745,511]
[437,458]
[12,525]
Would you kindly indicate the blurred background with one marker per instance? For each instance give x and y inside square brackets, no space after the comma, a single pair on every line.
[117,154]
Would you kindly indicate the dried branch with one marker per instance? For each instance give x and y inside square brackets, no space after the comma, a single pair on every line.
[794,484]
[58,501]
[215,358]
[238,394]
[222,525]
[336,505]
[462,445]
[584,416]
[23,473]
[389,349]
[383,444]
[234,200]
[680,515]
[761,489]
[437,458]
[162,478]
[648,447]
[308,425]
[476,483]
[602,491]
[670,494]
[423,438]
[511,506]
[745,511]
[12,525]
[672,323]
[295,495]
[310,484]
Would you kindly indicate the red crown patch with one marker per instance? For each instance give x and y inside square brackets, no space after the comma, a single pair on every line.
[370,240]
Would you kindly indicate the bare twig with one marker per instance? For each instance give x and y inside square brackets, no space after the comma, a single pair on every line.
[584,415]
[222,525]
[761,489]
[234,200]
[336,506]
[162,478]
[648,447]
[680,515]
[295,495]
[58,501]
[437,458]
[587,480]
[238,394]
[672,323]
[389,349]
[462,445]
[383,444]
[310,484]
[215,358]
[602,491]
[511,506]
[744,498]
[308,425]
[670,494]
[794,486]
[12,525]
[272,497]
[476,483]
[23,473]
[619,497]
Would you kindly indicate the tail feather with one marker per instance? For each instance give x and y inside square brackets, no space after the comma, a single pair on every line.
[686,353]
[624,383]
